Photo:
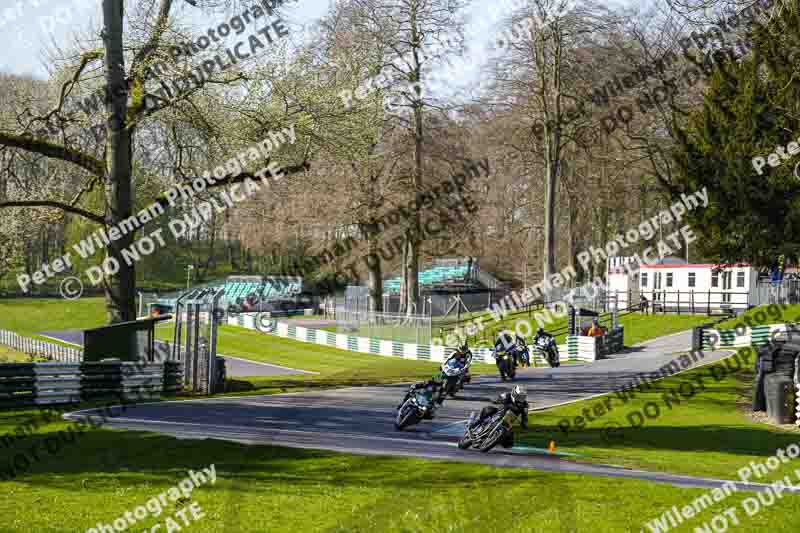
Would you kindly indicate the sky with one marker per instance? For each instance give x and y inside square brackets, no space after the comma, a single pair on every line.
[31,26]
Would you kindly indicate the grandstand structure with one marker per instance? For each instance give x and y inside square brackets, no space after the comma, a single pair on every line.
[449,284]
[242,294]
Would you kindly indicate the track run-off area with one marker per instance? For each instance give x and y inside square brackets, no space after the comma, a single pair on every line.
[360,420]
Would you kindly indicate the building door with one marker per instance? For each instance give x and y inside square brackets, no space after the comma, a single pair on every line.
[727,277]
[657,285]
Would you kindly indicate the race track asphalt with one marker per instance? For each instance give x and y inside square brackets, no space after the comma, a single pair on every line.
[361,419]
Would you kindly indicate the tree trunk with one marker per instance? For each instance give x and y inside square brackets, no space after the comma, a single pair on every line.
[375,278]
[411,262]
[549,267]
[120,286]
[572,236]
[411,267]
[401,308]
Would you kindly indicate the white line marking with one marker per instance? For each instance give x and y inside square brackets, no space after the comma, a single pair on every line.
[268,364]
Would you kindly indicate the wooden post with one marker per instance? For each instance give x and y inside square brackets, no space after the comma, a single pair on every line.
[708,310]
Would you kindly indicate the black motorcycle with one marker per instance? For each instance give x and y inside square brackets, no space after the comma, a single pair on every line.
[506,363]
[546,346]
[417,407]
[490,432]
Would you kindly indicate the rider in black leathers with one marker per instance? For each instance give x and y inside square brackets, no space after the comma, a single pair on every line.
[541,333]
[505,343]
[516,401]
[432,386]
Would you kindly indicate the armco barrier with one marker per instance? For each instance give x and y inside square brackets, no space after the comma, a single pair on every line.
[58,383]
[423,352]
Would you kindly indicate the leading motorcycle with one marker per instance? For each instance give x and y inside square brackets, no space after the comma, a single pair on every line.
[490,432]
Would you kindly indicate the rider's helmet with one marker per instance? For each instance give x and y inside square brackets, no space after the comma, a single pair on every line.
[519,395]
[540,331]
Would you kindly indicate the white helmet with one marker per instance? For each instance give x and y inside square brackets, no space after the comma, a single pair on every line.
[518,394]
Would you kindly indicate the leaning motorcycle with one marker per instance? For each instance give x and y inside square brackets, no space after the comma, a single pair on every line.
[415,408]
[506,364]
[546,346]
[490,432]
[454,375]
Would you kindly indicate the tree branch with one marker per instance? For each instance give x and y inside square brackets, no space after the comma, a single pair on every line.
[58,205]
[55,151]
[239,178]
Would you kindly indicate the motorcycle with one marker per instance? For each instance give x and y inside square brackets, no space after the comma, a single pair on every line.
[416,408]
[523,355]
[455,375]
[492,431]
[548,348]
[506,364]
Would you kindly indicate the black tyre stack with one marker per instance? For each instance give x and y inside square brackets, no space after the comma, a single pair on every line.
[775,387]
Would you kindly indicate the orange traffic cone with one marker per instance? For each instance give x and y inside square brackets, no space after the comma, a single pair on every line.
[552,447]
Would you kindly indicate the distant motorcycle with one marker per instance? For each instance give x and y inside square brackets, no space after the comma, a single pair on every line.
[546,346]
[416,408]
[523,355]
[488,434]
[506,364]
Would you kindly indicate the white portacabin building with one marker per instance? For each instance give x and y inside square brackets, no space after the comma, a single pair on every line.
[674,284]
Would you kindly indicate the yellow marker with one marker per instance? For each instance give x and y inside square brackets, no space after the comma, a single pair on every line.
[552,447]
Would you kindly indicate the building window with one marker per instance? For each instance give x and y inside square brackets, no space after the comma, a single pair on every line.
[715,279]
[644,279]
[740,279]
[692,279]
[669,279]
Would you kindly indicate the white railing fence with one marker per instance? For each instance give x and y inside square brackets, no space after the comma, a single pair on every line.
[49,350]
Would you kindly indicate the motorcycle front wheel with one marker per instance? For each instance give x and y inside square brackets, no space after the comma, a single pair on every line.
[492,441]
[464,443]
[408,419]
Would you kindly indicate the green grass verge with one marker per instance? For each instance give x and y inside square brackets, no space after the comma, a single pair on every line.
[28,316]
[762,315]
[102,474]
[706,432]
